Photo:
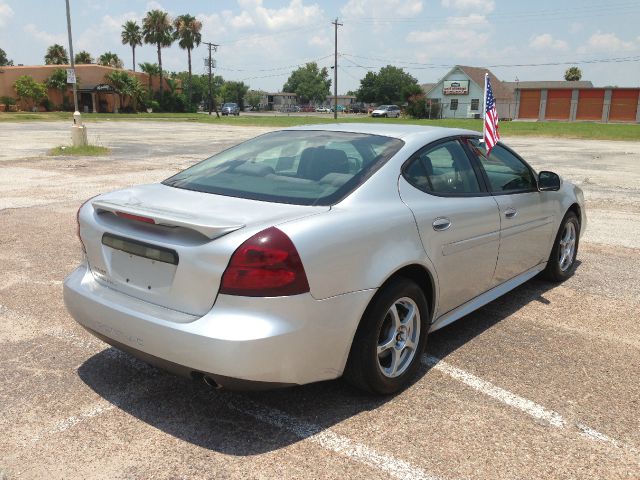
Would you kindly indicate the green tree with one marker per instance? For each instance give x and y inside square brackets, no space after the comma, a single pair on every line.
[131,35]
[573,74]
[4,60]
[29,90]
[234,92]
[390,85]
[157,30]
[152,70]
[127,87]
[187,32]
[58,81]
[83,57]
[110,59]
[253,98]
[309,83]
[56,55]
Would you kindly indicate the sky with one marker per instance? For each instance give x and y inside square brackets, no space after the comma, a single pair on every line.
[262,41]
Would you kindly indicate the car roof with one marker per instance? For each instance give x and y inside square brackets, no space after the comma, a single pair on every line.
[401,131]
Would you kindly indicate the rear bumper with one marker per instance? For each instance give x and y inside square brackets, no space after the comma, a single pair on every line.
[276,341]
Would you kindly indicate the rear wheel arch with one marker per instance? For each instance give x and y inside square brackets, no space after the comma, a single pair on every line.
[422,277]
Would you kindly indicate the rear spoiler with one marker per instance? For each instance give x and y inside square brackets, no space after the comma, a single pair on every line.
[210,228]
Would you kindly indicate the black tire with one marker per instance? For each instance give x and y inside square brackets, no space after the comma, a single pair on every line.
[364,366]
[557,270]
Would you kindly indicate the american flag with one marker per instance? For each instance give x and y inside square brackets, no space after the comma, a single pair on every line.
[491,133]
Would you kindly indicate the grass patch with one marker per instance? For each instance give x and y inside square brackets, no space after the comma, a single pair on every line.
[581,130]
[82,151]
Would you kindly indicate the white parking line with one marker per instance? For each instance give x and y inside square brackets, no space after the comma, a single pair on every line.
[500,394]
[330,440]
[523,404]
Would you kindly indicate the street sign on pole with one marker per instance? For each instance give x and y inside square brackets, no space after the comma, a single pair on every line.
[71,75]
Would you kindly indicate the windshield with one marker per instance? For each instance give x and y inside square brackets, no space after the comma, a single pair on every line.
[299,167]
[229,105]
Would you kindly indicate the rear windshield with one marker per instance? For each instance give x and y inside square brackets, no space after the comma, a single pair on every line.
[298,167]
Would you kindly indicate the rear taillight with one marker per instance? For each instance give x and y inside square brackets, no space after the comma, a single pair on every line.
[266,265]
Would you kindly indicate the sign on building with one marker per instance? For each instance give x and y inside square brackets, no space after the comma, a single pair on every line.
[71,75]
[456,87]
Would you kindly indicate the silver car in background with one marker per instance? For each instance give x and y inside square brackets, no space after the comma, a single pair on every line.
[386,111]
[320,251]
[230,109]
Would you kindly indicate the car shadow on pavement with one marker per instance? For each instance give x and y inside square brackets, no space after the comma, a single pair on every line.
[250,423]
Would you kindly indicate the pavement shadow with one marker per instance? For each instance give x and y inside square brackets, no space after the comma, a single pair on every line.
[243,424]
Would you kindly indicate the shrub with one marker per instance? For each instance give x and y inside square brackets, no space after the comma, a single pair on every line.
[7,101]
[47,104]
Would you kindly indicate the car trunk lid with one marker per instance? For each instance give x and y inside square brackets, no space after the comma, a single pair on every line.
[170,246]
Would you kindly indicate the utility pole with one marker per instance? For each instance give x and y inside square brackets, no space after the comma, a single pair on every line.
[335,69]
[214,47]
[78,131]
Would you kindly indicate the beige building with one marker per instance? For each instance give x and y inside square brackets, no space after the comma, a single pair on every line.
[94,93]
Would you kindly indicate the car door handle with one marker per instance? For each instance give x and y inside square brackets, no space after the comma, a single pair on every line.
[441,223]
[510,212]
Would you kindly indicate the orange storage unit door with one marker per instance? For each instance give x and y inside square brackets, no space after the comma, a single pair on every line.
[590,103]
[529,104]
[558,104]
[624,105]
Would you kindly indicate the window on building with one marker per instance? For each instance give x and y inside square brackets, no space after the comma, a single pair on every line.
[454,104]
[475,104]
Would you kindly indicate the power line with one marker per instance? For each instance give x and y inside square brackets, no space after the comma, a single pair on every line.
[423,66]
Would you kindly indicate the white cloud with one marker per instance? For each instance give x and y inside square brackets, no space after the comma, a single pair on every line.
[473,20]
[466,5]
[450,41]
[609,42]
[105,36]
[319,41]
[546,41]
[382,8]
[43,36]
[293,15]
[6,12]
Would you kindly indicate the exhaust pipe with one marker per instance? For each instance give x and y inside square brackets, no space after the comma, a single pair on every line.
[211,382]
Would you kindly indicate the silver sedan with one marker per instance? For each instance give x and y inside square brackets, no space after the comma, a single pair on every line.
[320,251]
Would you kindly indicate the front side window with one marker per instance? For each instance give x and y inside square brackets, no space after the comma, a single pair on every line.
[300,167]
[506,172]
[443,169]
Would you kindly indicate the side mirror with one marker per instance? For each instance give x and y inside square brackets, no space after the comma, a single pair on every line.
[548,181]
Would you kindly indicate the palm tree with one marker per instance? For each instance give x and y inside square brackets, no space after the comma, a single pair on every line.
[187,32]
[157,29]
[151,69]
[83,57]
[110,59]
[132,36]
[56,55]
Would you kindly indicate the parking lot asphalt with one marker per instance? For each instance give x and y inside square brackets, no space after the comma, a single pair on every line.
[541,383]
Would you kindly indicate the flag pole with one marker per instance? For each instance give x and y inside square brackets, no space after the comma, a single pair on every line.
[484,109]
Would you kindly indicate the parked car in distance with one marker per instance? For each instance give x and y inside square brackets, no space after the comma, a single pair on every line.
[318,251]
[323,110]
[386,111]
[230,109]
[307,108]
[356,108]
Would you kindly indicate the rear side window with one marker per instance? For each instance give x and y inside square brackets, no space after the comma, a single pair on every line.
[506,172]
[300,167]
[443,169]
